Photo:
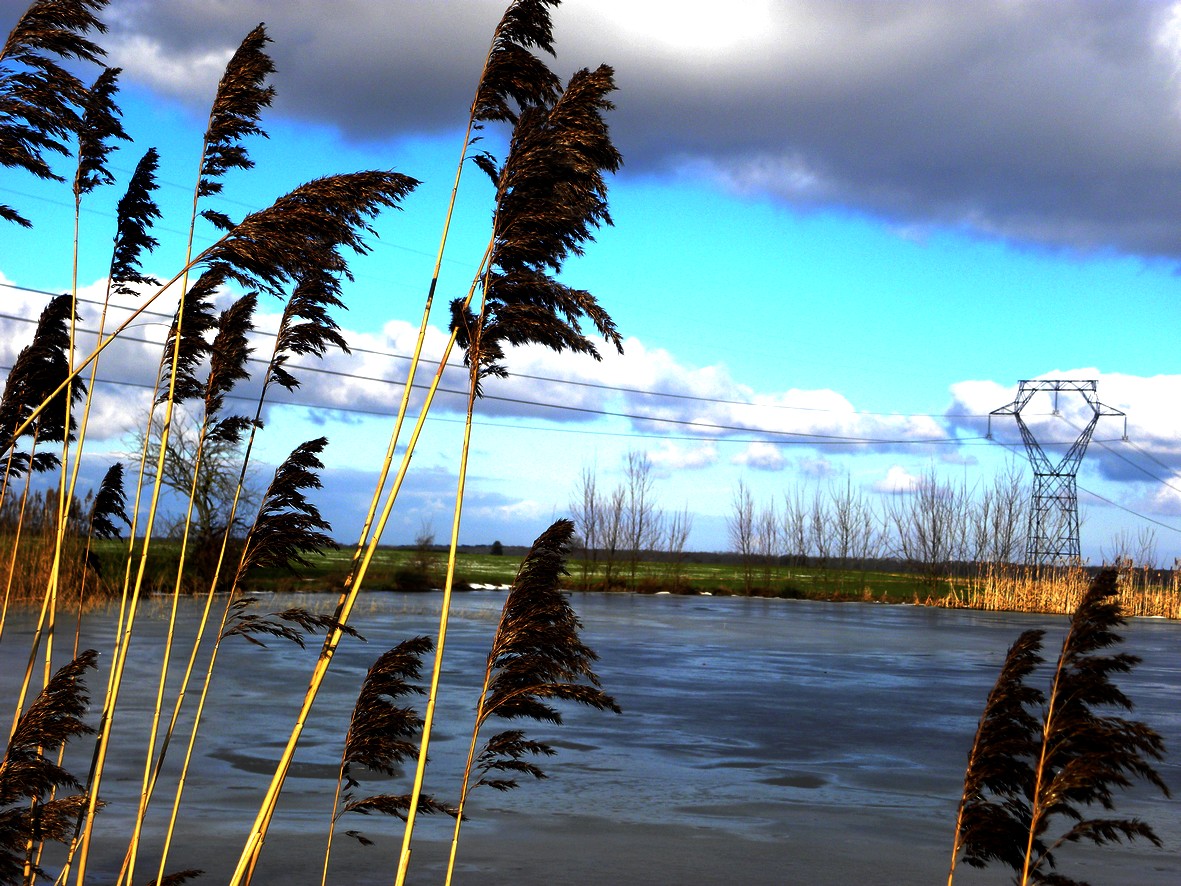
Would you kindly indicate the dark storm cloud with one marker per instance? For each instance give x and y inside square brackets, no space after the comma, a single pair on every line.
[1038,121]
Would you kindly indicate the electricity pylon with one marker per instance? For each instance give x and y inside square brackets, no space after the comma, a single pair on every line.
[1053,516]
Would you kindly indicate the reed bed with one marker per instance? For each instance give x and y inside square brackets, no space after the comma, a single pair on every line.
[1142,591]
[550,197]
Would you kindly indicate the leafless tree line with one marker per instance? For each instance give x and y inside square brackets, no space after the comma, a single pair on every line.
[933,529]
[622,526]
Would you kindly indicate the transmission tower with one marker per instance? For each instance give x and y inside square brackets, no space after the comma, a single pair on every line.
[1053,516]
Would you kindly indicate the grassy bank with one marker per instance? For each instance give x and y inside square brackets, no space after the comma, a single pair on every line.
[1144,592]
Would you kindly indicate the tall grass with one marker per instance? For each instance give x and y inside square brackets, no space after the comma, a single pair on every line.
[294,250]
[1143,591]
[1042,764]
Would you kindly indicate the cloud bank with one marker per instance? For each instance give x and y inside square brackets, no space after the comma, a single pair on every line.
[1030,120]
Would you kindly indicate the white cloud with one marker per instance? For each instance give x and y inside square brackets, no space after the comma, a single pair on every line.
[148,61]
[816,466]
[1153,421]
[671,456]
[761,457]
[680,26]
[897,481]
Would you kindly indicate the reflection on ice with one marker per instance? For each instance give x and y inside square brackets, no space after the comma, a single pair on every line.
[762,742]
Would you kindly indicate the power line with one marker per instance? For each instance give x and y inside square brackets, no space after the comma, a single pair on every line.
[1013,447]
[572,382]
[1131,463]
[763,435]
[1127,510]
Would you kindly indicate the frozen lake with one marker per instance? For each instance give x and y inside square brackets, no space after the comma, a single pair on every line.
[762,742]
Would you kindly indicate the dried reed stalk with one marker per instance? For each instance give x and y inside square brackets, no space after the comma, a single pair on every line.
[537,657]
[380,736]
[227,355]
[286,528]
[40,99]
[1028,767]
[551,196]
[240,96]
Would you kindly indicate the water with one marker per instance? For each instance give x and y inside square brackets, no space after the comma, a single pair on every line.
[762,742]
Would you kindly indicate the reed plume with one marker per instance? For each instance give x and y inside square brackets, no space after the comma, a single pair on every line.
[307,326]
[237,107]
[228,355]
[288,525]
[110,504]
[999,764]
[1025,771]
[303,232]
[36,376]
[551,196]
[1084,754]
[137,211]
[177,878]
[98,127]
[192,323]
[27,774]
[291,624]
[40,99]
[382,734]
[537,658]
[512,72]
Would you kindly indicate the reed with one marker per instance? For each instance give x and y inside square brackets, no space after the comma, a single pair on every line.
[551,197]
[29,811]
[537,657]
[1039,759]
[1058,590]
[382,733]
[40,98]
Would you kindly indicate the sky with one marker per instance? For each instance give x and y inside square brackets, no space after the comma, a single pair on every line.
[843,232]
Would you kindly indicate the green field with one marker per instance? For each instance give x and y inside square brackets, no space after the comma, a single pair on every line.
[411,570]
[399,569]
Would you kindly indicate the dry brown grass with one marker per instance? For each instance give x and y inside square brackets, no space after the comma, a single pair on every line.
[1143,592]
[34,561]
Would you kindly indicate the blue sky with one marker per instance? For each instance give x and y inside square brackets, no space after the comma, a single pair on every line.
[860,220]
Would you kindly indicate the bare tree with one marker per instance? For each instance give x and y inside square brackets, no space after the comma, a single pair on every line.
[613,533]
[642,519]
[587,509]
[218,465]
[931,526]
[767,540]
[856,537]
[1010,516]
[676,535]
[795,527]
[1137,552]
[742,531]
[424,558]
[213,494]
[999,518]
[820,529]
[844,521]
